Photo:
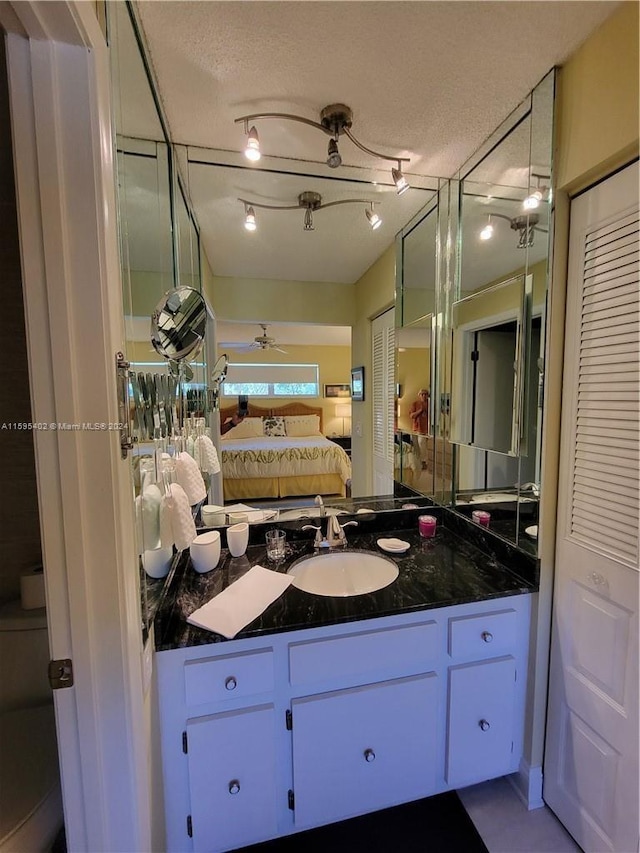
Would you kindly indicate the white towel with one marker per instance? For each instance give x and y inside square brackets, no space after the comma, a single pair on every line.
[182,523]
[241,602]
[206,455]
[189,476]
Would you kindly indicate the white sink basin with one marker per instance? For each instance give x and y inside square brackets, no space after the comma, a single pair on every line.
[343,573]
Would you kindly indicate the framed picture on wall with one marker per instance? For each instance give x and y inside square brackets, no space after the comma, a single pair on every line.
[357,384]
[337,390]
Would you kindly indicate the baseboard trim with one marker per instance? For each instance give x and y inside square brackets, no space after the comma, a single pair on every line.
[527,783]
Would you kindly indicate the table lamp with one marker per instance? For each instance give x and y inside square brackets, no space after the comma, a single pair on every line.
[343,410]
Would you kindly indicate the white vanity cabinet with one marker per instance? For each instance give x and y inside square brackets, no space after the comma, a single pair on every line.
[267,736]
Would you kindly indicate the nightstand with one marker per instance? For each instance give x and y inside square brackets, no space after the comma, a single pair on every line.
[344,441]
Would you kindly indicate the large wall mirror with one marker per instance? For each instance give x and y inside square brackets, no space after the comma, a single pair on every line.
[498,320]
[160,260]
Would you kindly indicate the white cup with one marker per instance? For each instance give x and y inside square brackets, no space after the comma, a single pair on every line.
[238,517]
[157,562]
[238,539]
[205,551]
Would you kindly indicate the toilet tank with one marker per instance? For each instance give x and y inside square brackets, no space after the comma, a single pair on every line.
[24,657]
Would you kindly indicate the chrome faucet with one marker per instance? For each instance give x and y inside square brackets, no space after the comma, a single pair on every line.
[335,535]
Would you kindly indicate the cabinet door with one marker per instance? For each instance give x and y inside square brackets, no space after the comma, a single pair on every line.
[481,721]
[364,748]
[231,778]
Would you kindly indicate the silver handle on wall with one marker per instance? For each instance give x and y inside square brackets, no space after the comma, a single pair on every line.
[234,786]
[369,755]
[484,725]
[487,636]
[231,683]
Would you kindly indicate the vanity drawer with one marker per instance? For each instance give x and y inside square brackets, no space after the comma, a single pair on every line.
[410,649]
[229,677]
[488,635]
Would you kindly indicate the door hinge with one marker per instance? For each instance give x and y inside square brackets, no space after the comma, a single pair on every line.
[289,720]
[189,826]
[185,743]
[290,799]
[60,673]
[475,355]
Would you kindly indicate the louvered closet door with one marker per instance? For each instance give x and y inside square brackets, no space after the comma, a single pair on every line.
[383,388]
[591,762]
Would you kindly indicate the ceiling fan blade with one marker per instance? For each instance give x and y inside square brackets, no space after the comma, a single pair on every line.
[239,347]
[279,349]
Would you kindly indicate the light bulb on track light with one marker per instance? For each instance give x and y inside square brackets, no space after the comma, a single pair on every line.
[250,219]
[402,185]
[252,150]
[333,155]
[374,220]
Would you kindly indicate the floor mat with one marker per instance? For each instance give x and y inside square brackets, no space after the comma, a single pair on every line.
[436,824]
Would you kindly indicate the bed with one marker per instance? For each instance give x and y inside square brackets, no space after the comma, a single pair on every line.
[277,465]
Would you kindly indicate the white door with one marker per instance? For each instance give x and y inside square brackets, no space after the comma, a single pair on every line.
[60,115]
[591,761]
[383,387]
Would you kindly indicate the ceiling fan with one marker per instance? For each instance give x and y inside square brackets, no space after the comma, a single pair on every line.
[263,342]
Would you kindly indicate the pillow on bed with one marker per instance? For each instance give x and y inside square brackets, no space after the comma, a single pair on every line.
[248,428]
[298,425]
[274,427]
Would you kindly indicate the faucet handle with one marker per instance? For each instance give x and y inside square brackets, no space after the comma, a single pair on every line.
[335,532]
[317,542]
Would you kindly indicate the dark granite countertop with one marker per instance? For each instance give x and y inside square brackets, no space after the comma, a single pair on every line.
[455,567]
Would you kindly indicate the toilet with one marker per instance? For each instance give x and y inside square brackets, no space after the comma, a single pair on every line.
[31,802]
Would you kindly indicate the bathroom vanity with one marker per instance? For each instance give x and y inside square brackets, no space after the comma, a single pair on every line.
[326,708]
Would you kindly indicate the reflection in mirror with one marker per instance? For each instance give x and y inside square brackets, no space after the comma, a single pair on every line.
[178,323]
[498,318]
[414,433]
[490,338]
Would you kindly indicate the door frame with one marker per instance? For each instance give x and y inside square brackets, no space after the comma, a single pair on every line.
[59,84]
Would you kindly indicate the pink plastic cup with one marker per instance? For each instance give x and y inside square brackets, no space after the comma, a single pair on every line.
[427,526]
[481,517]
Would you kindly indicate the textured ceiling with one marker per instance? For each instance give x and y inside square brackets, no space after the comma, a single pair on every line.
[427,80]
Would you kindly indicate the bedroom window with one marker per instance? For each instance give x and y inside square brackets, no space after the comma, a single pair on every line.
[272,380]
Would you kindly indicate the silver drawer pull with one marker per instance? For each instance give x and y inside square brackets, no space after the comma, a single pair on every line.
[230,683]
[234,786]
[487,636]
[484,725]
[369,755]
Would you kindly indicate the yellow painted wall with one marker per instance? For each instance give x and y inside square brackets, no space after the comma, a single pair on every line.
[597,102]
[334,365]
[374,292]
[270,300]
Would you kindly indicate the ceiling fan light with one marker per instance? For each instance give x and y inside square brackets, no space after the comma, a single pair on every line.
[374,220]
[252,150]
[250,220]
[402,185]
[333,155]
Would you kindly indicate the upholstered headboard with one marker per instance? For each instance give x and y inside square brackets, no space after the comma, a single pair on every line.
[287,409]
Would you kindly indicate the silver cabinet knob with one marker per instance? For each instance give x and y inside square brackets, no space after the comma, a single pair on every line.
[231,683]
[234,786]
[484,725]
[487,636]
[369,755]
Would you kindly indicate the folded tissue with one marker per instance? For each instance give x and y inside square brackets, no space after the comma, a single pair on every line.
[241,602]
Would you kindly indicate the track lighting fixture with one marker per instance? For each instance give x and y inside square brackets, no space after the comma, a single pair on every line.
[333,155]
[402,185]
[252,150]
[335,120]
[526,225]
[533,200]
[308,201]
[487,231]
[374,220]
[249,218]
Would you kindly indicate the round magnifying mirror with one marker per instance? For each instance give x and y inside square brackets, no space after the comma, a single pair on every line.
[220,369]
[178,323]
